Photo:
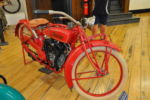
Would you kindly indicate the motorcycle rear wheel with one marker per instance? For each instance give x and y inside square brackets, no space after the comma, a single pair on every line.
[26,36]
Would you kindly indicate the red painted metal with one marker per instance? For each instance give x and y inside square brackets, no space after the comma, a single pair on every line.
[87,78]
[61,33]
[107,56]
[76,52]
[86,72]
[104,94]
[86,7]
[21,22]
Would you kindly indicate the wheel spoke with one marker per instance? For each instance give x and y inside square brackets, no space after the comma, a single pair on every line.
[87,78]
[86,72]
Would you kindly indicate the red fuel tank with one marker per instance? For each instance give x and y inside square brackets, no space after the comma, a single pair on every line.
[60,34]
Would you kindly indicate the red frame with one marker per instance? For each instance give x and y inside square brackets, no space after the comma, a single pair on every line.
[67,36]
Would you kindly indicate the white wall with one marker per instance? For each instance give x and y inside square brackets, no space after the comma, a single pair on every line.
[24,7]
[13,19]
[139,4]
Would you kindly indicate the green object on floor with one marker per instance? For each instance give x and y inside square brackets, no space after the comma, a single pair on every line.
[9,93]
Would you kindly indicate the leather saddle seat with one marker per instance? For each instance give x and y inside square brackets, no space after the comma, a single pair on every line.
[37,22]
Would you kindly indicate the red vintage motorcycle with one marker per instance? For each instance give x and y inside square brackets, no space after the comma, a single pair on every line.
[93,67]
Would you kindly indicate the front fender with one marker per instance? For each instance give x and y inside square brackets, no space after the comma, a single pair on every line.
[76,52]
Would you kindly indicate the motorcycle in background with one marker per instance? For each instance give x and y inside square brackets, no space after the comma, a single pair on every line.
[11,6]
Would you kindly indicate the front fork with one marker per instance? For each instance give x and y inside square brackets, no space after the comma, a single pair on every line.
[103,68]
[106,60]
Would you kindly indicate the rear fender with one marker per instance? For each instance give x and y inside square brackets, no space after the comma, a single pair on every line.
[76,52]
[21,22]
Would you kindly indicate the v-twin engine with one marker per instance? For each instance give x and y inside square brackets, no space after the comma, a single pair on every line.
[56,52]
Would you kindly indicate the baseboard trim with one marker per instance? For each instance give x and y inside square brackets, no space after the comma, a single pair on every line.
[140,10]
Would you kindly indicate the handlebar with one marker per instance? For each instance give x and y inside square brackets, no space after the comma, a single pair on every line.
[52,12]
[61,18]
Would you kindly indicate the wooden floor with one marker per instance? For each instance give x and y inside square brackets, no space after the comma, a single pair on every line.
[134,39]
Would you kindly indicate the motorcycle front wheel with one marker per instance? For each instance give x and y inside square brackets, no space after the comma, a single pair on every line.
[91,85]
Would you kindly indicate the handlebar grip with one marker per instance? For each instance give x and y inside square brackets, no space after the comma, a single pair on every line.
[43,11]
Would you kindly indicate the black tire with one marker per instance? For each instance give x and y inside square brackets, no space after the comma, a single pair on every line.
[4,79]
[17,5]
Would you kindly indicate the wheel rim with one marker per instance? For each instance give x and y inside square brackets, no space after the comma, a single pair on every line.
[98,87]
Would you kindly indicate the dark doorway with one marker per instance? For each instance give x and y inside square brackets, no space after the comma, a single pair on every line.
[62,5]
[72,7]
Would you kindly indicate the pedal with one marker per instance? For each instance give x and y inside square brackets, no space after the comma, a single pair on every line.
[45,70]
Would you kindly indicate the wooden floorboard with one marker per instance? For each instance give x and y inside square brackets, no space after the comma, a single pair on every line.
[133,39]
